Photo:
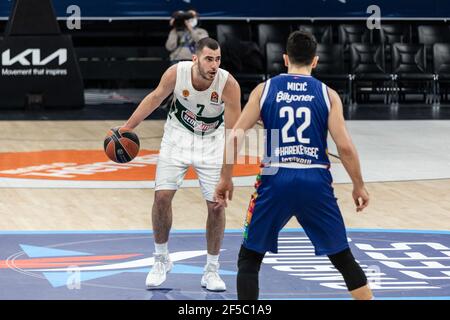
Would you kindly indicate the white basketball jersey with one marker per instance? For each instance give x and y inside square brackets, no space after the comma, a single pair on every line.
[200,112]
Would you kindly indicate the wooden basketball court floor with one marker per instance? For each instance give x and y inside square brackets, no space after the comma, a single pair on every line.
[61,202]
[406,165]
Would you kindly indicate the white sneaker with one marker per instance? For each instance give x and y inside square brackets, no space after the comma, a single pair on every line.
[211,279]
[157,275]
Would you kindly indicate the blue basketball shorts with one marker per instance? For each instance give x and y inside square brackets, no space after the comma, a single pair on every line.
[306,194]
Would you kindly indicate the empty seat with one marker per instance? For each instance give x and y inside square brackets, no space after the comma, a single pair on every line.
[441,68]
[429,35]
[331,60]
[274,58]
[271,33]
[354,33]
[235,31]
[241,56]
[368,64]
[331,69]
[395,33]
[367,59]
[441,53]
[409,65]
[322,33]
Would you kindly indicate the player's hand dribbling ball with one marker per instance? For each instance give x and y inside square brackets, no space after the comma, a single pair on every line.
[121,145]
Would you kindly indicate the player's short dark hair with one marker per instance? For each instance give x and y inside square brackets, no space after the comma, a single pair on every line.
[206,42]
[301,47]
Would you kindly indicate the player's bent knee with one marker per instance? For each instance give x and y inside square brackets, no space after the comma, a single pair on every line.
[354,276]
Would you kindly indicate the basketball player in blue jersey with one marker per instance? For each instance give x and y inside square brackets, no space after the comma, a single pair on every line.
[297,111]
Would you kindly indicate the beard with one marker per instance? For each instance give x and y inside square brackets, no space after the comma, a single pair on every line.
[205,75]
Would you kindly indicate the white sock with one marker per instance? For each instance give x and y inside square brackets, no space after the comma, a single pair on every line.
[212,259]
[161,248]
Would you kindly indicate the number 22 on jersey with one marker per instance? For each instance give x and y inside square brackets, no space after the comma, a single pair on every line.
[291,114]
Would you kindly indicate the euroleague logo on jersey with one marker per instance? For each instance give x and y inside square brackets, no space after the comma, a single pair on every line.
[214,97]
[93,165]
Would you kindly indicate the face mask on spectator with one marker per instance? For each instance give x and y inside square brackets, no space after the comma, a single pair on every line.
[193,22]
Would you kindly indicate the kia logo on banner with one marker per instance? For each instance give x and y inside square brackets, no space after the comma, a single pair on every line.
[24,57]
[38,65]
[32,62]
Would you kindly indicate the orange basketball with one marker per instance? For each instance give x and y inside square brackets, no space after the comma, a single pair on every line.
[121,145]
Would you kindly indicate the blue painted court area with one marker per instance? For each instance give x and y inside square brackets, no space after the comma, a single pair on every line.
[400,264]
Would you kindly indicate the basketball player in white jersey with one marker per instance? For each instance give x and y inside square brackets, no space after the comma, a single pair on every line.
[206,102]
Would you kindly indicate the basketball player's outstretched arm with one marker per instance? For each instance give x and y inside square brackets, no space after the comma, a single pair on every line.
[347,151]
[154,99]
[233,144]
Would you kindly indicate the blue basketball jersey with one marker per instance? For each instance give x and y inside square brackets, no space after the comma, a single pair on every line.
[294,110]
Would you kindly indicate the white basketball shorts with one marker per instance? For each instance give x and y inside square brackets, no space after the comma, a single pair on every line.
[181,149]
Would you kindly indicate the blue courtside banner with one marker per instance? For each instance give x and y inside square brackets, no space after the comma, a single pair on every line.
[261,9]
